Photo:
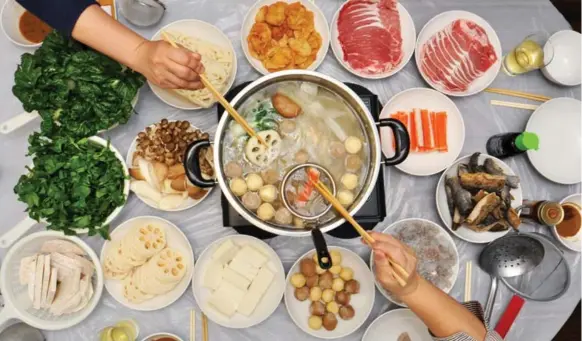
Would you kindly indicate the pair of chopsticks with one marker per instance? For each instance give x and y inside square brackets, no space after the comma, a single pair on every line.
[235,115]
[521,94]
[336,204]
[514,105]
[193,326]
[468,273]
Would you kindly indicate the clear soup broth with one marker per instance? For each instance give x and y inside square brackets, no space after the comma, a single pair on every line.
[300,122]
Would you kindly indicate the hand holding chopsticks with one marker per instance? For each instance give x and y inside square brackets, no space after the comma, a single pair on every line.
[402,275]
[235,115]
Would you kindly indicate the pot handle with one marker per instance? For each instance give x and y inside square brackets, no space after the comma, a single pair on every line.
[323,257]
[401,139]
[192,164]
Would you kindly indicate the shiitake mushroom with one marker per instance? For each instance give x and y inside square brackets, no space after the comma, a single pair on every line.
[302,293]
[347,312]
[307,267]
[317,308]
[329,321]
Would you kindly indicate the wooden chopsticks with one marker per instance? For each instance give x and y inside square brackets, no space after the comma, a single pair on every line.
[237,117]
[514,105]
[521,94]
[204,327]
[468,273]
[192,325]
[325,192]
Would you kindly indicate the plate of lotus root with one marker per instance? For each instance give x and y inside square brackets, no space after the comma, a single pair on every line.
[283,35]
[147,264]
[331,303]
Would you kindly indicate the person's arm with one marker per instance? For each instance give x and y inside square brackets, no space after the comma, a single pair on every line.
[442,314]
[158,61]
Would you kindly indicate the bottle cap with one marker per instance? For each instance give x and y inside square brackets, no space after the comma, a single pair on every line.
[527,141]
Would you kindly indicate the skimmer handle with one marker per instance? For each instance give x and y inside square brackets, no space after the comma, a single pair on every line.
[491,299]
[8,238]
[17,121]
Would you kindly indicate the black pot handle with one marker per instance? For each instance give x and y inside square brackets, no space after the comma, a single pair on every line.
[323,257]
[401,139]
[192,164]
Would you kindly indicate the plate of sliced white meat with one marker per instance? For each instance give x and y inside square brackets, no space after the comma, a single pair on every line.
[458,53]
[238,281]
[373,39]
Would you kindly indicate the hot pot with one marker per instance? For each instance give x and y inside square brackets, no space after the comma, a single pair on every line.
[370,127]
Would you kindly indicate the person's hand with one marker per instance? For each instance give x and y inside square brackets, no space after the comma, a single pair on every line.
[169,67]
[388,246]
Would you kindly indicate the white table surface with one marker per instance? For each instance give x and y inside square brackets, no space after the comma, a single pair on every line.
[406,196]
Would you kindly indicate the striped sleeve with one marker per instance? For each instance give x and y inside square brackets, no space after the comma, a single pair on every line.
[475,308]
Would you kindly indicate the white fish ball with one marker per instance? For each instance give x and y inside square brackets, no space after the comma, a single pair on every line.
[268,193]
[349,181]
[254,181]
[346,198]
[266,211]
[353,144]
[238,186]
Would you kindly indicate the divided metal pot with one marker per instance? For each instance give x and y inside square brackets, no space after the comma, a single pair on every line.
[371,128]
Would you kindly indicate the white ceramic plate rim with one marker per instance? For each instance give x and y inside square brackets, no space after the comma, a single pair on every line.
[362,280]
[253,320]
[180,287]
[406,55]
[189,203]
[385,113]
[198,23]
[380,319]
[518,195]
[576,198]
[322,27]
[491,73]
[447,237]
[530,154]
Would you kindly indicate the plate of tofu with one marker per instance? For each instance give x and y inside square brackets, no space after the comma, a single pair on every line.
[51,281]
[147,264]
[238,281]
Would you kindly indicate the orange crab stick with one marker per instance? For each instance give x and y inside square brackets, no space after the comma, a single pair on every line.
[427,140]
[441,131]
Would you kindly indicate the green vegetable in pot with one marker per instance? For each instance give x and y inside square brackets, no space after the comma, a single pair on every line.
[73,184]
[76,90]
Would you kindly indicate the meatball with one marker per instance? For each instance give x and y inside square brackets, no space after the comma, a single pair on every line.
[317,308]
[233,170]
[353,163]
[307,267]
[287,126]
[352,286]
[270,176]
[337,149]
[301,294]
[283,216]
[342,298]
[329,321]
[301,156]
[346,312]
[251,200]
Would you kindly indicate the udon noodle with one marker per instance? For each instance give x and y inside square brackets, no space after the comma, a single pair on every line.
[217,61]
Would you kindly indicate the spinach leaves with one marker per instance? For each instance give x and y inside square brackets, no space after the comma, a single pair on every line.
[76,90]
[73,184]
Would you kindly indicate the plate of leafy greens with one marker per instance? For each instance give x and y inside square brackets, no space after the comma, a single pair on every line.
[77,91]
[74,186]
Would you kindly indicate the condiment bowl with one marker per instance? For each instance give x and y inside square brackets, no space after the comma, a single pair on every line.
[157,336]
[10,17]
[565,67]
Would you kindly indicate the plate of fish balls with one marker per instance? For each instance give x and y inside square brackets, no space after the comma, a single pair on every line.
[332,303]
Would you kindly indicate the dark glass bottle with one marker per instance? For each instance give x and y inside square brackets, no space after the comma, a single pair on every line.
[511,144]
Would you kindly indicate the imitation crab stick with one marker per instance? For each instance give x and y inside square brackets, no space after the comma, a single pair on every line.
[427,129]
[427,136]
[441,124]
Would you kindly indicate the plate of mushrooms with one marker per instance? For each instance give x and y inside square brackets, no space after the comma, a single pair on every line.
[155,162]
[332,303]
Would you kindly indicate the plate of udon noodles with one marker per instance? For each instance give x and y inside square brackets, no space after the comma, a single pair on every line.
[217,56]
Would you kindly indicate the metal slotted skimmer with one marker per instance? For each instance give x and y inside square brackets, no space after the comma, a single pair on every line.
[529,264]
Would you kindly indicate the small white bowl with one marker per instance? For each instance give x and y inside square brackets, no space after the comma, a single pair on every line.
[158,335]
[11,12]
[565,68]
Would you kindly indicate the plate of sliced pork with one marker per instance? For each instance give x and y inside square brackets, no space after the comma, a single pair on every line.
[458,53]
[373,39]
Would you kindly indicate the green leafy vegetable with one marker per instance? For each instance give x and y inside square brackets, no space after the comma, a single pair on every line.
[263,116]
[76,90]
[73,184]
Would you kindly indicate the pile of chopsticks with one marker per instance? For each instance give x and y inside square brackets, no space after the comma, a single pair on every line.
[193,326]
[520,94]
[402,275]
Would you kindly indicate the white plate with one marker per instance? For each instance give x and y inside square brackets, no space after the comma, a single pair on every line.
[572,245]
[176,240]
[423,164]
[565,67]
[442,234]
[557,124]
[443,209]
[361,302]
[268,303]
[321,26]
[204,31]
[442,20]
[408,39]
[388,326]
[188,203]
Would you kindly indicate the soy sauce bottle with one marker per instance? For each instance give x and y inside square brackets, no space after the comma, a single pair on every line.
[511,144]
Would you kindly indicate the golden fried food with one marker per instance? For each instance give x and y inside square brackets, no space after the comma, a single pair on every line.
[284,37]
[276,13]
[259,39]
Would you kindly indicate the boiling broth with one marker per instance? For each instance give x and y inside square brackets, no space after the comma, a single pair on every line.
[317,135]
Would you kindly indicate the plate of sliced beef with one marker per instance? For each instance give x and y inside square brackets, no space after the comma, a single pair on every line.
[373,39]
[458,53]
